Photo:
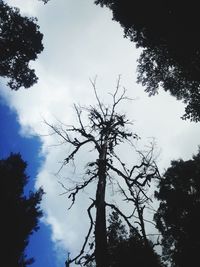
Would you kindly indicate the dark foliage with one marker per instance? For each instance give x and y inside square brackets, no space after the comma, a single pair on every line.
[20,42]
[178,215]
[169,33]
[19,213]
[128,249]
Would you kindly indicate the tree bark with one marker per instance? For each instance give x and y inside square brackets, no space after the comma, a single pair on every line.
[101,254]
[141,219]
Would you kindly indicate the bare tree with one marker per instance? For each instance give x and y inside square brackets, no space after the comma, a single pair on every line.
[105,130]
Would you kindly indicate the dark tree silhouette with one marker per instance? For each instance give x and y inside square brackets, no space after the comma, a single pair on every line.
[20,42]
[127,249]
[105,130]
[178,215]
[168,32]
[19,213]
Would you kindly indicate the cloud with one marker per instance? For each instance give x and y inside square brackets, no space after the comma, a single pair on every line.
[28,7]
[82,41]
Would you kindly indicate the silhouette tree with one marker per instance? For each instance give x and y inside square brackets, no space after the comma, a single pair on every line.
[178,215]
[168,32]
[105,130]
[19,213]
[20,42]
[127,249]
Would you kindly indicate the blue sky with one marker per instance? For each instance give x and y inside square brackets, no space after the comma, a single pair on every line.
[40,247]
[12,141]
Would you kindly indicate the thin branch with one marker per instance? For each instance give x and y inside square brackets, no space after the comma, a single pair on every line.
[116,170]
[74,191]
[88,234]
[120,98]
[78,112]
[124,217]
[87,258]
[96,95]
[157,243]
[78,188]
[78,146]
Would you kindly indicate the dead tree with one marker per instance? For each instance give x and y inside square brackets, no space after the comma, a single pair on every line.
[136,190]
[105,130]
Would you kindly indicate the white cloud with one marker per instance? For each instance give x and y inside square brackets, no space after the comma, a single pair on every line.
[28,7]
[81,41]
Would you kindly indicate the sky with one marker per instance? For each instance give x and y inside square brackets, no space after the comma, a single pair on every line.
[80,42]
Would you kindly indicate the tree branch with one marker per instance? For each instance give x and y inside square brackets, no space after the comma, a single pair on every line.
[124,217]
[88,234]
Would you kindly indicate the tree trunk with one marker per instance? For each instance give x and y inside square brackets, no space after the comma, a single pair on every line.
[140,215]
[101,255]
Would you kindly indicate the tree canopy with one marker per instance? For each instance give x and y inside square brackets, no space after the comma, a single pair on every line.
[178,217]
[19,213]
[127,249]
[20,42]
[168,32]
